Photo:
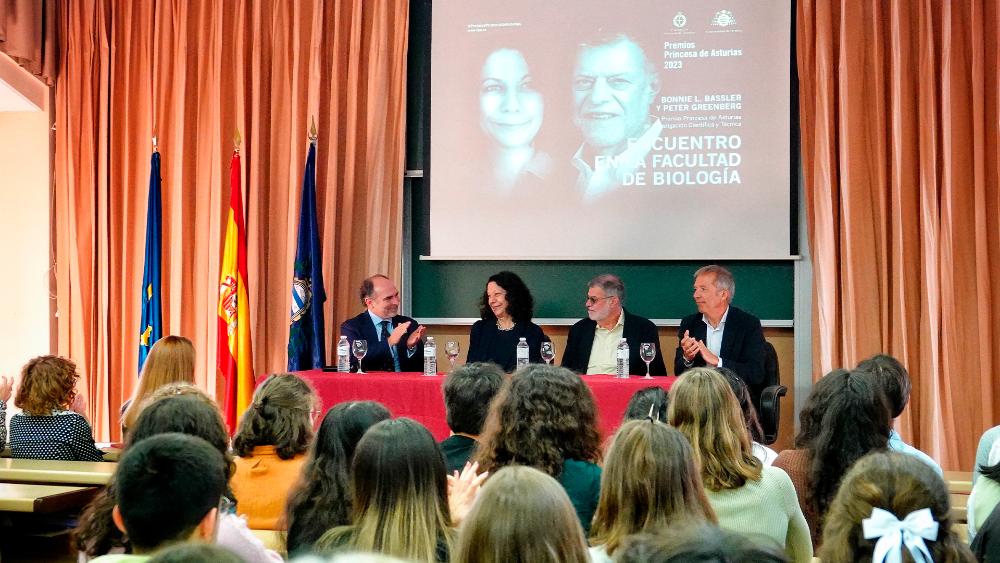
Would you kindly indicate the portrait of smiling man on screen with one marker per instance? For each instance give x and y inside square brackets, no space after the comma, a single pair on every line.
[614,85]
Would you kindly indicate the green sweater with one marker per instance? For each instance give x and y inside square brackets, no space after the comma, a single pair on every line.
[768,509]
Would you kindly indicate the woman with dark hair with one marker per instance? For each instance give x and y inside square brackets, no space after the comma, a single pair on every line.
[183,408]
[271,443]
[747,496]
[400,506]
[894,504]
[506,308]
[765,454]
[844,418]
[647,402]
[545,417]
[649,483]
[322,499]
[698,543]
[49,426]
[521,514]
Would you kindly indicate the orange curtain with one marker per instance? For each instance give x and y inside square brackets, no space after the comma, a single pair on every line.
[28,35]
[899,116]
[192,74]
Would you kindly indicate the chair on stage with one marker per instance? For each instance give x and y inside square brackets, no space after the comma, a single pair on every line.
[769,394]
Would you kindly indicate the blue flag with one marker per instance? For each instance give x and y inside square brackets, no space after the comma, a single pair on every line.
[151,325]
[306,347]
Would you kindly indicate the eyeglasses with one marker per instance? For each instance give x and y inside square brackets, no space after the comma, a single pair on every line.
[594,300]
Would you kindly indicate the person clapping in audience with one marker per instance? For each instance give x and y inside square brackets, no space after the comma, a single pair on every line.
[545,417]
[170,360]
[505,307]
[403,504]
[747,497]
[845,417]
[322,499]
[521,515]
[50,426]
[649,483]
[891,507]
[271,445]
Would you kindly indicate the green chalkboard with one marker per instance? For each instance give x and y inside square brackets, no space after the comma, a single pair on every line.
[654,289]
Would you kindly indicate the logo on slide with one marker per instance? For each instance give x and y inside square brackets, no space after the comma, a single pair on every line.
[723,18]
[680,20]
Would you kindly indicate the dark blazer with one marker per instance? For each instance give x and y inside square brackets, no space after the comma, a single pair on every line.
[742,345]
[378,357]
[488,344]
[636,330]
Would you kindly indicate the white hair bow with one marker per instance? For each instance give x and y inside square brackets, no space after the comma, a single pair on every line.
[893,534]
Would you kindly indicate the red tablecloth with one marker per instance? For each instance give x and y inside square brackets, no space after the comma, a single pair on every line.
[414,396]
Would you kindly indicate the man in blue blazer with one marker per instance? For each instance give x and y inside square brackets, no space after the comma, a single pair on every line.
[592,343]
[720,334]
[393,340]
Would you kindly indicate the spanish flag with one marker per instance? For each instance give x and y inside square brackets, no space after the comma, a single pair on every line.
[235,360]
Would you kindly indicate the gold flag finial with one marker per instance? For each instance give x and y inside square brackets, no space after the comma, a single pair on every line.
[237,140]
[313,134]
[156,146]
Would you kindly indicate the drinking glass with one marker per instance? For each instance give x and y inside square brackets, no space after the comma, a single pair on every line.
[548,352]
[360,348]
[647,351]
[452,349]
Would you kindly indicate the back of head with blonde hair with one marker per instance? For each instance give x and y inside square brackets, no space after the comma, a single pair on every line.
[170,360]
[521,514]
[649,482]
[898,483]
[704,408]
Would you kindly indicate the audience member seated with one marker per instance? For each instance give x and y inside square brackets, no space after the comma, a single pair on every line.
[192,552]
[6,389]
[985,494]
[844,418]
[167,490]
[524,515]
[986,442]
[765,454]
[891,507]
[322,499]
[698,543]
[468,391]
[545,417]
[505,308]
[747,496]
[170,360]
[183,408]
[647,402]
[894,381]
[402,506]
[649,483]
[271,445]
[47,428]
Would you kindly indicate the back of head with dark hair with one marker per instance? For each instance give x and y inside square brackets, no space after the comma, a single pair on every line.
[323,499]
[892,377]
[468,391]
[165,485]
[279,416]
[645,401]
[845,417]
[742,393]
[703,543]
[520,303]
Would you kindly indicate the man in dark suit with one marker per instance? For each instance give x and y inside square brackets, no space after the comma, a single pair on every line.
[593,342]
[393,340]
[720,334]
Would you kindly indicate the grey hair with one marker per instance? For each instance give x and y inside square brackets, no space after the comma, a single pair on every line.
[723,278]
[611,284]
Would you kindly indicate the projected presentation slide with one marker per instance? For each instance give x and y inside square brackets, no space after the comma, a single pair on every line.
[610,130]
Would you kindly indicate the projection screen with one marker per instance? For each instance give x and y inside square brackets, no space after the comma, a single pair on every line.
[610,130]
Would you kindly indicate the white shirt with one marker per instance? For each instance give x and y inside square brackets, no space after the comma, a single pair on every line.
[713,335]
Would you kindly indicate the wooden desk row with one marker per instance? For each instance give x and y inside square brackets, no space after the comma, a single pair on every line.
[47,486]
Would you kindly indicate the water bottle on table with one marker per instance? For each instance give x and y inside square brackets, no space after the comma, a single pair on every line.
[522,353]
[343,355]
[430,357]
[621,370]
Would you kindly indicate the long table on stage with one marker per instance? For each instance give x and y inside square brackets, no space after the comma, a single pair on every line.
[416,396]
